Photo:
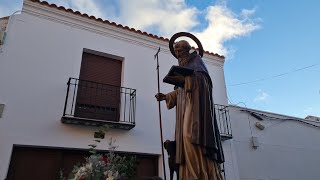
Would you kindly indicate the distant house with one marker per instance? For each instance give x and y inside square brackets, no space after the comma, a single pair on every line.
[64,73]
[3,27]
[268,145]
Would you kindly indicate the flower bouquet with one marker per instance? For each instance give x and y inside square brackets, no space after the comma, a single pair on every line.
[109,166]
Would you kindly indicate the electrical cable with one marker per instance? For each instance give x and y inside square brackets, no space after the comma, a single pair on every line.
[274,76]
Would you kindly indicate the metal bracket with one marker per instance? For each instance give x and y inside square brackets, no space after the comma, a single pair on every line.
[1,109]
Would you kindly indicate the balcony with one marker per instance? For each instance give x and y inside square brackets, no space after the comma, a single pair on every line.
[223,119]
[95,104]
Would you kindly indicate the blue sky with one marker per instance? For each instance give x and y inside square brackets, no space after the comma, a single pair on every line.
[260,39]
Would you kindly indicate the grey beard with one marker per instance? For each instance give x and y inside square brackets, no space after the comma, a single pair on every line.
[183,61]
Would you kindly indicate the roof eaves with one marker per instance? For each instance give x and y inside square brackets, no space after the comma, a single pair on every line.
[112,23]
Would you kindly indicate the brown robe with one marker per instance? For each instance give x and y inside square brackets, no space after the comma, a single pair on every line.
[198,144]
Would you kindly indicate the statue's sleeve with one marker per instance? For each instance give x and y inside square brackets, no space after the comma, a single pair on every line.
[188,84]
[171,99]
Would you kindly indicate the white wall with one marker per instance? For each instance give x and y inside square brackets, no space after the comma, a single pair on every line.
[44,48]
[288,150]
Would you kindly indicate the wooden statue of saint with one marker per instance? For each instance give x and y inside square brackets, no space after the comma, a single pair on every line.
[198,142]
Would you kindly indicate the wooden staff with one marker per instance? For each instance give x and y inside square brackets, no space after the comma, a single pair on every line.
[163,163]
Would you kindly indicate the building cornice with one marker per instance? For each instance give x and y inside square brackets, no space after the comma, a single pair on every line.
[75,19]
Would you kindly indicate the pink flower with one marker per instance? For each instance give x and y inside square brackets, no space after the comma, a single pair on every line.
[105,159]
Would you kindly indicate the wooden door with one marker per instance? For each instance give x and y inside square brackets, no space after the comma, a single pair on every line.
[34,164]
[98,95]
[45,163]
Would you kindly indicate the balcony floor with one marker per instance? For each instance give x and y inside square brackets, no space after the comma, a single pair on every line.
[225,137]
[97,122]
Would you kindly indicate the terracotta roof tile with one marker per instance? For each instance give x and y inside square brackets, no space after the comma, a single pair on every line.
[111,23]
[6,17]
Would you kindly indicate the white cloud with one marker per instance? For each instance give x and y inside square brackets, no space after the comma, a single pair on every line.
[162,17]
[246,13]
[225,25]
[88,6]
[166,17]
[262,97]
[308,109]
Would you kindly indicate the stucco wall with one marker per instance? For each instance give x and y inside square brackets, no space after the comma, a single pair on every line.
[43,49]
[288,150]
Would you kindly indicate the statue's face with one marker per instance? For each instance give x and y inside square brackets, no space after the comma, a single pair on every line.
[181,49]
[179,52]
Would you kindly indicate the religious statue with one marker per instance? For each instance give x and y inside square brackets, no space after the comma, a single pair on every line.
[198,142]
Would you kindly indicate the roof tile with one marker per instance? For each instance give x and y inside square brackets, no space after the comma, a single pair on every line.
[111,23]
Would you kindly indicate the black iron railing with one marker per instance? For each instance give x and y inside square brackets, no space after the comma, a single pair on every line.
[223,119]
[99,102]
[223,171]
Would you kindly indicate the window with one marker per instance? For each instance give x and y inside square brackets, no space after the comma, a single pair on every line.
[98,94]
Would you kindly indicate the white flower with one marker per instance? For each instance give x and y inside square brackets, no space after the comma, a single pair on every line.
[110,178]
[116,174]
[82,169]
[88,167]
[109,173]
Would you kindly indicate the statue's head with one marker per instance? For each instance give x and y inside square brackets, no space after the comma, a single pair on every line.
[182,48]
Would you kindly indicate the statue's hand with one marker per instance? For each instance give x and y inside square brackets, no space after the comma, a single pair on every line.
[160,97]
